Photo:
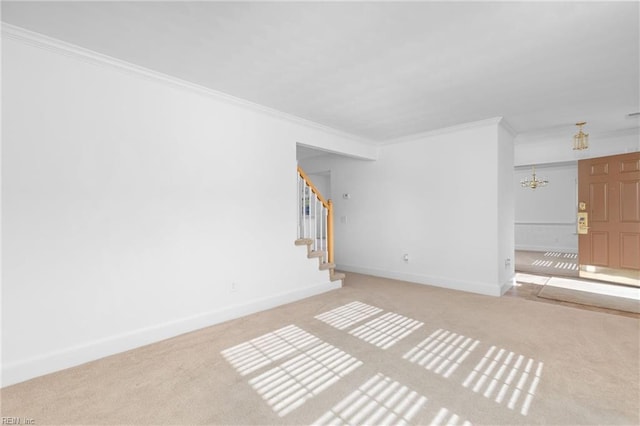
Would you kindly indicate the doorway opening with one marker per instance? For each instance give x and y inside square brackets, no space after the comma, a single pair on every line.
[546,240]
[585,223]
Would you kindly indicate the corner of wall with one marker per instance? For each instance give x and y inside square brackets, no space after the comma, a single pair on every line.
[441,282]
[507,285]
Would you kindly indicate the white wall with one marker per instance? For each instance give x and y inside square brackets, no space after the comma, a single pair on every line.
[322,182]
[546,217]
[506,215]
[435,198]
[316,168]
[130,206]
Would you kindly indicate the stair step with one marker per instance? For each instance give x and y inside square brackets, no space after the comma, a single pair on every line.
[327,265]
[319,254]
[336,276]
[304,242]
[316,253]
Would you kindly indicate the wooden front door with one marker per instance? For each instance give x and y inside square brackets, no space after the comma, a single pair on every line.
[609,192]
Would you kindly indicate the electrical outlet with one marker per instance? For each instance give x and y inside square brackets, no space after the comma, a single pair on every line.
[405,257]
[507,262]
[234,287]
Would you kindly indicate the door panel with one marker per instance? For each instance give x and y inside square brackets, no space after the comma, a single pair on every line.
[630,165]
[599,169]
[630,250]
[599,248]
[610,188]
[630,201]
[599,202]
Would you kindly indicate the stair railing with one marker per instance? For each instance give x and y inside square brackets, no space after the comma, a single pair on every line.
[315,217]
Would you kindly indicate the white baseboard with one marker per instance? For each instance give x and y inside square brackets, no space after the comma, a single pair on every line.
[70,357]
[472,287]
[507,285]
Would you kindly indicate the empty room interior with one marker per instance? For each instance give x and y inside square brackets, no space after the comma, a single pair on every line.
[361,213]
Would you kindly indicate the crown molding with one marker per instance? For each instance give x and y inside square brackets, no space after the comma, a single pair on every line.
[446,130]
[505,125]
[557,164]
[89,56]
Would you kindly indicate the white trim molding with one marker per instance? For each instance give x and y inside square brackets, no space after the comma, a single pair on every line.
[450,129]
[547,223]
[89,56]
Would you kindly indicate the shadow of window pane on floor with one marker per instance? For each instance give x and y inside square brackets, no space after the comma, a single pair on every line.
[347,315]
[561,254]
[386,330]
[445,417]
[505,376]
[307,366]
[442,352]
[566,265]
[555,264]
[261,351]
[379,401]
[289,385]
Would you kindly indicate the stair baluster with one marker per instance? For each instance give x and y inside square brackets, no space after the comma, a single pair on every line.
[315,224]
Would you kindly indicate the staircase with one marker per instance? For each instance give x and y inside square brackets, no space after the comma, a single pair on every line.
[315,225]
[323,266]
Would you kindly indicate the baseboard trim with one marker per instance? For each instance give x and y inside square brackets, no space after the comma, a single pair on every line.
[70,357]
[506,286]
[469,286]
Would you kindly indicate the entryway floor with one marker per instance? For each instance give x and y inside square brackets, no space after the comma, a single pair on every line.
[553,263]
[530,288]
[549,264]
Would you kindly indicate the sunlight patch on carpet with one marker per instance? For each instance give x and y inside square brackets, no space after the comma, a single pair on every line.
[289,385]
[347,315]
[445,417]
[380,400]
[500,372]
[261,351]
[442,352]
[386,330]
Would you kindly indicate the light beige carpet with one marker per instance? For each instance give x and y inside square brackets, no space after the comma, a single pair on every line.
[374,352]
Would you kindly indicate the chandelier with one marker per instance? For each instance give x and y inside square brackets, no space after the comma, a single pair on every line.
[534,182]
[580,139]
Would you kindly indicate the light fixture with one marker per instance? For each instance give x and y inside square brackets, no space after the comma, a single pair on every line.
[534,182]
[580,139]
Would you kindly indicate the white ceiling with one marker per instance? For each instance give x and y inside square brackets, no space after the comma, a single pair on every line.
[379,70]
